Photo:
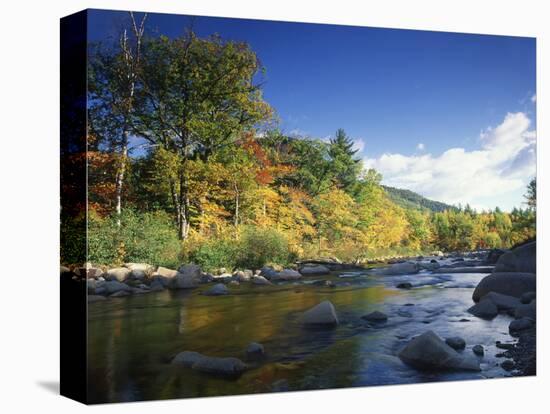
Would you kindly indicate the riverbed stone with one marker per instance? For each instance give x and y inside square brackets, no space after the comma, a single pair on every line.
[520,325]
[185,281]
[464,269]
[255,351]
[260,280]
[139,271]
[511,284]
[375,316]
[322,314]
[113,287]
[191,271]
[287,274]
[456,342]
[527,297]
[429,352]
[218,289]
[404,285]
[494,255]
[156,286]
[243,275]
[187,358]
[227,367]
[528,310]
[485,309]
[119,274]
[503,302]
[165,272]
[268,272]
[478,350]
[314,270]
[519,259]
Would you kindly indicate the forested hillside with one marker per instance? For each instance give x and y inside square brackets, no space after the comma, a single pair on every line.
[186,163]
[410,199]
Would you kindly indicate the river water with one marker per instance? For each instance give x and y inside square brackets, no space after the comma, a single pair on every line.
[132,339]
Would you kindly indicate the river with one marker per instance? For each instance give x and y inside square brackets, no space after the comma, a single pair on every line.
[132,339]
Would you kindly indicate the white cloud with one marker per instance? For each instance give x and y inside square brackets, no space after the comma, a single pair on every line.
[534,98]
[503,164]
[358,145]
[420,146]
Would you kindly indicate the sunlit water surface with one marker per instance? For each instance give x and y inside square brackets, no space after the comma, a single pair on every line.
[132,339]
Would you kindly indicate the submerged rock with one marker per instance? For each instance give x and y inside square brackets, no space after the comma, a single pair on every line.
[375,316]
[404,285]
[429,352]
[114,286]
[485,309]
[184,281]
[511,284]
[322,314]
[255,351]
[120,294]
[217,290]
[224,366]
[401,269]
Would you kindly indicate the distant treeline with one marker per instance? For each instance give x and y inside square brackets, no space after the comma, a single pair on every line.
[186,163]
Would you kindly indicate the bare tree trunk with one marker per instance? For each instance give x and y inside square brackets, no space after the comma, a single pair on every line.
[120,177]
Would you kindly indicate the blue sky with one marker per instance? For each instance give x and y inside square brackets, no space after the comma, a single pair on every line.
[416,94]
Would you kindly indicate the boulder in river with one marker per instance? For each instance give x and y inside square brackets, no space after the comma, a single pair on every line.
[528,310]
[314,270]
[187,358]
[218,289]
[260,280]
[268,272]
[404,285]
[119,274]
[464,269]
[527,297]
[511,284]
[286,274]
[502,302]
[120,294]
[429,352]
[456,342]
[485,309]
[520,325]
[519,259]
[114,287]
[139,271]
[184,281]
[494,255]
[375,316]
[322,314]
[192,271]
[243,275]
[165,272]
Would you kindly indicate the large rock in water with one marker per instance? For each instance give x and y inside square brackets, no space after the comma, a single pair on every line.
[229,367]
[165,272]
[511,284]
[260,280]
[429,352]
[139,271]
[314,270]
[503,302]
[485,309]
[286,274]
[322,315]
[119,274]
[218,289]
[188,277]
[114,287]
[526,311]
[520,259]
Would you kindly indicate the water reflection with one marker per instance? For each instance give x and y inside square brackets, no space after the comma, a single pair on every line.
[132,340]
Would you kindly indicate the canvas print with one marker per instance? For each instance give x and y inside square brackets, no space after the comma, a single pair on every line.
[257,206]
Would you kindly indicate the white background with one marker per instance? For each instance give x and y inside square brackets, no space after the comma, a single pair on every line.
[29,172]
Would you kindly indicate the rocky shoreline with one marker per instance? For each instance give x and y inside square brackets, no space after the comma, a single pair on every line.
[510,288]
